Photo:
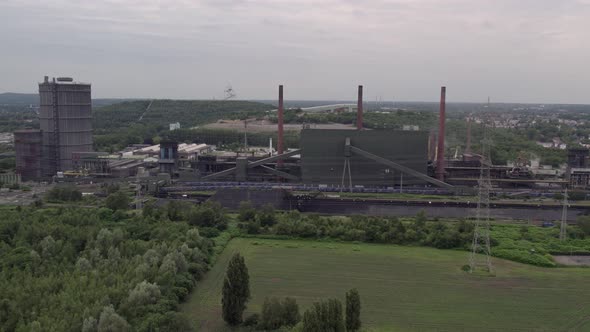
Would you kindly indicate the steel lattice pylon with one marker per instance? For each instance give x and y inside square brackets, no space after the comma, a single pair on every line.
[563,227]
[480,247]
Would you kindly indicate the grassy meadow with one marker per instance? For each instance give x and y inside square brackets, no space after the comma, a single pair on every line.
[402,288]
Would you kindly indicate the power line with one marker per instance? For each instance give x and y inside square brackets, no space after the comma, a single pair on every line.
[480,256]
[563,228]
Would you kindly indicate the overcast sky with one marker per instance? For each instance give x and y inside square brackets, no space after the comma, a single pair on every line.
[511,50]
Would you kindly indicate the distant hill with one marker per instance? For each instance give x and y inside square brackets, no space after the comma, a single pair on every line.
[161,112]
[11,98]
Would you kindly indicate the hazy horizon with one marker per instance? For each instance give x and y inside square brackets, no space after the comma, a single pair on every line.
[529,51]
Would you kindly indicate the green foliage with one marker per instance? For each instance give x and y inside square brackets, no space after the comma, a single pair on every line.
[252,320]
[353,310]
[363,229]
[236,290]
[276,314]
[584,224]
[271,317]
[266,216]
[209,214]
[64,194]
[246,212]
[118,200]
[110,321]
[324,316]
[73,269]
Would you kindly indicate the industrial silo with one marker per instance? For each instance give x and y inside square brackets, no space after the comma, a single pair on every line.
[65,118]
[27,145]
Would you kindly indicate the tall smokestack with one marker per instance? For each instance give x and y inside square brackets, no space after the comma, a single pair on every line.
[440,160]
[468,145]
[280,120]
[359,111]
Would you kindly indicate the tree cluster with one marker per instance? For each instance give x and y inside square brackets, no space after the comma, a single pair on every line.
[327,316]
[210,217]
[276,314]
[357,228]
[64,194]
[81,269]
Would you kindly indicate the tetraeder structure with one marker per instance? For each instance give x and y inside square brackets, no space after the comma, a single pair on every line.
[563,228]
[480,257]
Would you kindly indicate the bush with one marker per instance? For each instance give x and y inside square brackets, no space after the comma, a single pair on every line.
[64,193]
[324,316]
[276,314]
[246,212]
[118,201]
[252,320]
[524,256]
[584,225]
[208,215]
[266,217]
[271,317]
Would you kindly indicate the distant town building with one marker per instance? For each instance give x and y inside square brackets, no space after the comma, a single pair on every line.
[174,126]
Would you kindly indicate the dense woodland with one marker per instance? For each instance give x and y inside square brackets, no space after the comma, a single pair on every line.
[80,269]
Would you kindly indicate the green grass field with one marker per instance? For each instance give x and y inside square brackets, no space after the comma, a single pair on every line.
[402,288]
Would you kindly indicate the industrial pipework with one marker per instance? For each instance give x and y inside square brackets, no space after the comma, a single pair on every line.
[440,160]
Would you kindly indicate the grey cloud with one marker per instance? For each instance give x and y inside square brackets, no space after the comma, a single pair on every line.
[318,49]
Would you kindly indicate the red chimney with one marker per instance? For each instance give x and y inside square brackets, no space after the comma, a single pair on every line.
[280,120]
[359,111]
[440,162]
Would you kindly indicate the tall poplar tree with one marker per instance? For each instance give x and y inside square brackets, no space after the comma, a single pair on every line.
[353,310]
[236,290]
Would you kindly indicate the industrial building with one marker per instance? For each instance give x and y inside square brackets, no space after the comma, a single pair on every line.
[337,157]
[27,145]
[65,118]
[323,157]
[346,158]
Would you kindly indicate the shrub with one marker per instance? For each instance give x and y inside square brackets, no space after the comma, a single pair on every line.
[117,201]
[271,317]
[524,256]
[252,320]
[324,316]
[64,193]
[246,212]
[584,225]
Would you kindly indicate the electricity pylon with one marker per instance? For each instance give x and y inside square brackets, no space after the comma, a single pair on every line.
[563,228]
[480,247]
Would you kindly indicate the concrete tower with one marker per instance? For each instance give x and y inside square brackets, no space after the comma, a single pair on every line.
[65,117]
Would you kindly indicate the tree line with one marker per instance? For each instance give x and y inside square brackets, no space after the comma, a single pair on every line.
[355,228]
[323,316]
